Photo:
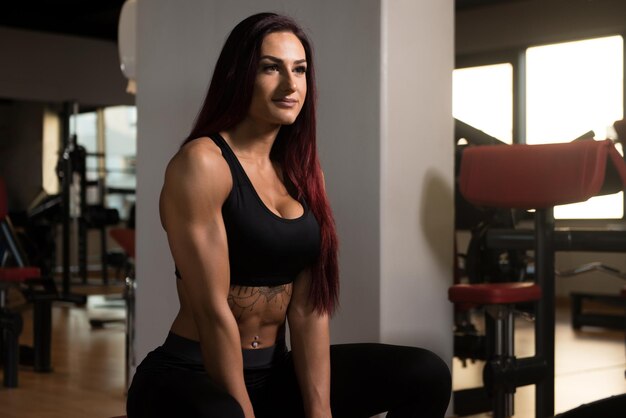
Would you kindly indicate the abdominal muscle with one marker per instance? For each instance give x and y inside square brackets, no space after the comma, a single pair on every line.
[260,313]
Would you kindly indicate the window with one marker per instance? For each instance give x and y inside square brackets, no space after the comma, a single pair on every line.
[109,137]
[573,88]
[568,90]
[120,132]
[50,152]
[483,98]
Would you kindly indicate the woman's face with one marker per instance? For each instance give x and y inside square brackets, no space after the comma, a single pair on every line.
[280,86]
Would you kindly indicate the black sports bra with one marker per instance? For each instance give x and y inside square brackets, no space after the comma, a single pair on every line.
[264,249]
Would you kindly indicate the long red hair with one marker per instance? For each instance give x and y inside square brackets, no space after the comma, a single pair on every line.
[227,103]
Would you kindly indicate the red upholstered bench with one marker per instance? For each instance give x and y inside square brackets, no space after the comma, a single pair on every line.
[495,293]
[11,324]
[530,177]
[499,300]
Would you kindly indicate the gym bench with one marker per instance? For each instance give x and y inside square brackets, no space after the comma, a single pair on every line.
[530,177]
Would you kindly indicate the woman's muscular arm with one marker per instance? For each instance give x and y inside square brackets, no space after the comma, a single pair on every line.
[310,344]
[197,182]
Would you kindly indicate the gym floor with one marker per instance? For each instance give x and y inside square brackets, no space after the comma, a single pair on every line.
[88,364]
[88,377]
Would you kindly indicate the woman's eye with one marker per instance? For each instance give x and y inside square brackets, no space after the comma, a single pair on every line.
[270,68]
[300,70]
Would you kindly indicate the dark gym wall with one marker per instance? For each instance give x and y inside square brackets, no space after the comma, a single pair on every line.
[21,127]
[54,68]
[510,25]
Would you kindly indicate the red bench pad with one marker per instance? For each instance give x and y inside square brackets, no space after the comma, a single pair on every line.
[19,274]
[494,293]
[540,176]
[125,237]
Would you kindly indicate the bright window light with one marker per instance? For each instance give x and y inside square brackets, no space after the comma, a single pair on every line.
[120,147]
[573,88]
[483,97]
[50,152]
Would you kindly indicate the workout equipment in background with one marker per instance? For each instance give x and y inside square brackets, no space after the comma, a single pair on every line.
[125,237]
[66,168]
[16,272]
[479,263]
[540,177]
[72,173]
[569,239]
[584,316]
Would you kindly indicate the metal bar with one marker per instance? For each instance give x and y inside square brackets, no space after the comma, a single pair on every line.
[66,181]
[66,149]
[11,242]
[622,140]
[544,323]
[471,401]
[499,395]
[564,240]
[42,335]
[509,352]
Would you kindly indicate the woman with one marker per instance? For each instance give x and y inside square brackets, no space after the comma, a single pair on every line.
[253,238]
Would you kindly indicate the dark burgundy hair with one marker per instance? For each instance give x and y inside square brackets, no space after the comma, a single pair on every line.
[227,103]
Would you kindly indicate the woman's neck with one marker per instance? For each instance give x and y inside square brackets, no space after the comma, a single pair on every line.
[251,140]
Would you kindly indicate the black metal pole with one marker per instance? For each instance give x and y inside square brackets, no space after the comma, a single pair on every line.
[545,320]
[42,335]
[81,170]
[66,182]
[66,179]
[564,240]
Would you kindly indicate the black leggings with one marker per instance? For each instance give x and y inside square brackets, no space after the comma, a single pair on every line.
[366,379]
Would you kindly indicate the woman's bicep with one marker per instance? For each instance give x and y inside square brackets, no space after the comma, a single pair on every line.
[194,190]
[200,252]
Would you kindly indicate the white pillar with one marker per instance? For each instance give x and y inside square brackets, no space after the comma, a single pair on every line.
[417,205]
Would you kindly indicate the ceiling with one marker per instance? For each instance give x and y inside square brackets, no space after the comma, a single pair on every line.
[98,18]
[86,18]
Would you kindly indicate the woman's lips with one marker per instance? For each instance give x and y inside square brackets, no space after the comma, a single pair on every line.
[285,103]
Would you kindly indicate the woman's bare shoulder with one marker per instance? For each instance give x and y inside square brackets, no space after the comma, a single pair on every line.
[199,160]
[197,154]
[196,177]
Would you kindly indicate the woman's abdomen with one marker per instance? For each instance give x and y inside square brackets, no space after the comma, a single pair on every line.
[260,313]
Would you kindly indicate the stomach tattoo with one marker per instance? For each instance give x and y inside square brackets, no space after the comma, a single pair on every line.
[270,301]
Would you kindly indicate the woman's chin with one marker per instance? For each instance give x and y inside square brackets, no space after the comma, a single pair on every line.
[286,118]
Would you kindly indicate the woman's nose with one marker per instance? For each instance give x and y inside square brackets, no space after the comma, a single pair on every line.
[289,83]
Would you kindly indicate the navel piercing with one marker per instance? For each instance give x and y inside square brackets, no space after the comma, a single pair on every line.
[255,343]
